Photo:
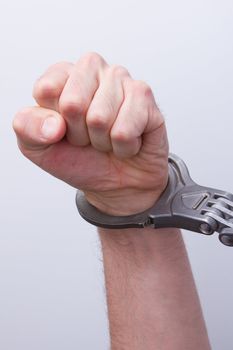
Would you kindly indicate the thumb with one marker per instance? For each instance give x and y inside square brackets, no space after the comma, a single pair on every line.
[37,128]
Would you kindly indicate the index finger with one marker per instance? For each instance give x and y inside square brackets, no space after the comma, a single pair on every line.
[49,86]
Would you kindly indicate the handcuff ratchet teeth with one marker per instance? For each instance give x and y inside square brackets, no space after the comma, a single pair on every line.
[183,204]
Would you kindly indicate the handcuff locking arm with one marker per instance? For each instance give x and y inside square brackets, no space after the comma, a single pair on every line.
[183,204]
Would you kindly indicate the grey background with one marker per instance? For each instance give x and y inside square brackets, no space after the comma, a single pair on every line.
[51,283]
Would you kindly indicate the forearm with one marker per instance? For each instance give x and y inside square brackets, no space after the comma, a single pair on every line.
[151,296]
[101,131]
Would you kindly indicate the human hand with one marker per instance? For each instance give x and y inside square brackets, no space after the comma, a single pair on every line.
[98,130]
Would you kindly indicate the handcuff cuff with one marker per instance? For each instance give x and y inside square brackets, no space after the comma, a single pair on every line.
[183,204]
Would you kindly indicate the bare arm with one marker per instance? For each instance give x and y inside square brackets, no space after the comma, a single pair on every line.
[151,296]
[101,131]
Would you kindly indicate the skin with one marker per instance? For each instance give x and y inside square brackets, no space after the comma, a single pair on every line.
[101,131]
[105,129]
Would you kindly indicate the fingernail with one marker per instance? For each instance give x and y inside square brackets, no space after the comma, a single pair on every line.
[49,127]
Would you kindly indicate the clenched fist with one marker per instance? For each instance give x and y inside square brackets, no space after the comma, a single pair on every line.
[98,130]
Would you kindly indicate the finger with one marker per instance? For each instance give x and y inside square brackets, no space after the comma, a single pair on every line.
[77,96]
[105,107]
[49,86]
[38,128]
[133,119]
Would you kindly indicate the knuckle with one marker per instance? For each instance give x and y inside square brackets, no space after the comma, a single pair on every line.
[141,88]
[92,59]
[25,111]
[45,88]
[121,136]
[60,65]
[97,120]
[118,71]
[72,107]
[17,124]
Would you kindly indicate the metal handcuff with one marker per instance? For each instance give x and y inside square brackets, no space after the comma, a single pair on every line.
[183,204]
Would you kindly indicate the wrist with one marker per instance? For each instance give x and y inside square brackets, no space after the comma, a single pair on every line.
[146,243]
[125,202]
